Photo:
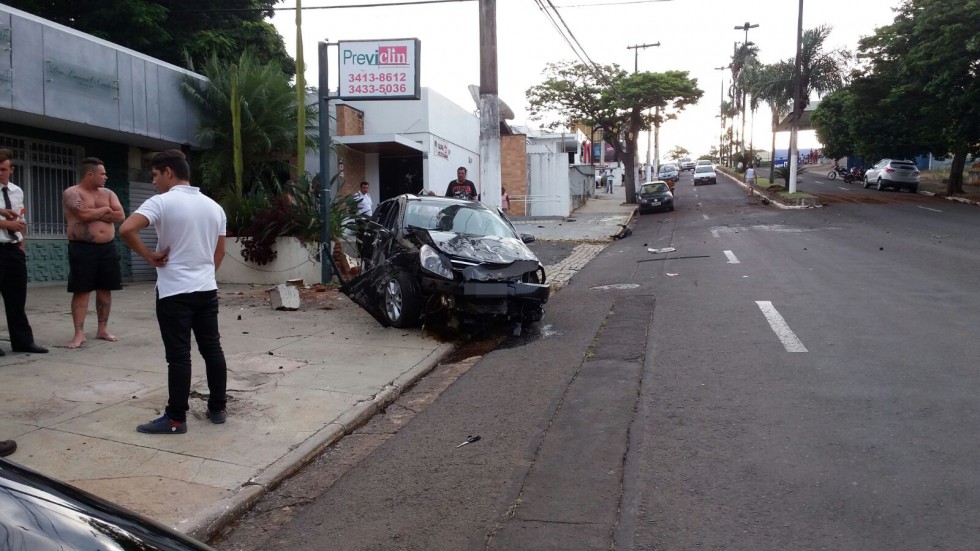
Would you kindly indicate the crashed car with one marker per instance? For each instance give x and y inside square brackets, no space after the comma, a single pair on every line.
[438,260]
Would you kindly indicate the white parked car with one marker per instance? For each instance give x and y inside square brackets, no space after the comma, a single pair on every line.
[894,174]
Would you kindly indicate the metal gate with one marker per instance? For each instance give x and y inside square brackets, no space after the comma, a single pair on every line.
[139,192]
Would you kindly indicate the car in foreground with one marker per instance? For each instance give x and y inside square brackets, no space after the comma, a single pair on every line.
[686,163]
[705,174]
[893,173]
[437,260]
[669,173]
[39,512]
[655,195]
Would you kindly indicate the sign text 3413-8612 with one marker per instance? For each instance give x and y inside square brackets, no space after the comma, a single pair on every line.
[379,69]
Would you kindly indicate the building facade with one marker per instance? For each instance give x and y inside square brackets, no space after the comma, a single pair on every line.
[66,95]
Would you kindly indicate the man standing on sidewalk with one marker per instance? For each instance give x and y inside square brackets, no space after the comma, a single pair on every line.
[750,178]
[191,244]
[93,260]
[13,260]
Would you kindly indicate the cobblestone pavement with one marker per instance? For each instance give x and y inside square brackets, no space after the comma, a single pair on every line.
[561,273]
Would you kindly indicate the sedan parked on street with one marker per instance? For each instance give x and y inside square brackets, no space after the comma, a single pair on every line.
[438,260]
[654,196]
[894,174]
[705,174]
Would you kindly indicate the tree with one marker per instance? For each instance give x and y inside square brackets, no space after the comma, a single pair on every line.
[266,107]
[773,84]
[610,99]
[929,58]
[677,152]
[169,29]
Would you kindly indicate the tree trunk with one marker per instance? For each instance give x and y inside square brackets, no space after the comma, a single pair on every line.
[955,183]
[772,155]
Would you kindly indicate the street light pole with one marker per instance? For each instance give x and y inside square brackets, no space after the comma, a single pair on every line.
[745,27]
[797,102]
[721,114]
[636,69]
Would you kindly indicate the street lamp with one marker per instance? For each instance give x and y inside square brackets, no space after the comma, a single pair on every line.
[745,27]
[797,101]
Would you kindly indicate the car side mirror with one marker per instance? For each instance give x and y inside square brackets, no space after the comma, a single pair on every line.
[527,238]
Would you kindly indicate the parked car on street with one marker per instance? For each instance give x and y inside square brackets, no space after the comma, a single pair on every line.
[686,163]
[670,174]
[705,174]
[655,195]
[894,174]
[435,259]
[39,512]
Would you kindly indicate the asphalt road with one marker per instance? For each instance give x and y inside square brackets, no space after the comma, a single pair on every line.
[780,380]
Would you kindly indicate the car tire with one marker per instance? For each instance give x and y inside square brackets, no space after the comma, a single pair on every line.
[914,189]
[401,301]
[867,184]
[879,186]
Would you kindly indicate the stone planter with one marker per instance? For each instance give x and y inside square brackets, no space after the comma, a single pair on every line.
[293,261]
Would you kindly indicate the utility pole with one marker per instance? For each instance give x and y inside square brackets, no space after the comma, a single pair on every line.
[490,181]
[325,146]
[721,113]
[797,103]
[636,69]
[745,27]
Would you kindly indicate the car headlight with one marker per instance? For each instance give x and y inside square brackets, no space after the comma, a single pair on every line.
[435,263]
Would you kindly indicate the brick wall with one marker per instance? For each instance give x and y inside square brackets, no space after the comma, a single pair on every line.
[350,122]
[513,171]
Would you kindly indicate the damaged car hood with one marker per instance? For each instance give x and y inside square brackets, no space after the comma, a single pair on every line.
[481,248]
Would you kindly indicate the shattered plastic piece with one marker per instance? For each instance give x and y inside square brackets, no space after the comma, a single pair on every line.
[664,250]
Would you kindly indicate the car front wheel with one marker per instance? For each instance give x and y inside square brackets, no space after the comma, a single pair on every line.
[402,302]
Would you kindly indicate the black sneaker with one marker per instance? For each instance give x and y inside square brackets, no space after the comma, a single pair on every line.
[163,425]
[217,417]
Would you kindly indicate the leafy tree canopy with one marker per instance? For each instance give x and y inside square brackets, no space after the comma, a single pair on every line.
[166,29]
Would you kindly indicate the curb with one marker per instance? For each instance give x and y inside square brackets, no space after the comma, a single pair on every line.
[206,524]
[771,201]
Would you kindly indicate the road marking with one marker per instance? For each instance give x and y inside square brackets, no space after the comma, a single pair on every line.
[779,326]
[844,188]
[705,217]
[731,257]
[714,233]
[927,208]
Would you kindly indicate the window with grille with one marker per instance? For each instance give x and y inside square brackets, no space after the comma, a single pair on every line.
[44,171]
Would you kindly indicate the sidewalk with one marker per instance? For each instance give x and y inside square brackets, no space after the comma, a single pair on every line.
[298,381]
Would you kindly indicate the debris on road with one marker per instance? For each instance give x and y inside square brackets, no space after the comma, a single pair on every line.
[469,440]
[663,250]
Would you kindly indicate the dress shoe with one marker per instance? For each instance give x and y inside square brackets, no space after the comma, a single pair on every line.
[32,348]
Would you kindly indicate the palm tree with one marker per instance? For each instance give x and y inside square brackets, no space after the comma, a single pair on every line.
[743,57]
[268,111]
[821,71]
[773,84]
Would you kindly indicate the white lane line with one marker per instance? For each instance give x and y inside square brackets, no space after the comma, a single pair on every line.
[844,188]
[778,324]
[714,233]
[731,257]
[927,208]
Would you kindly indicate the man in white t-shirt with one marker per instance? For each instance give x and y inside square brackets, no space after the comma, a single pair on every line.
[190,231]
[364,205]
[750,178]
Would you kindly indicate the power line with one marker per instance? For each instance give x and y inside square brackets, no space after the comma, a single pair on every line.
[600,5]
[375,5]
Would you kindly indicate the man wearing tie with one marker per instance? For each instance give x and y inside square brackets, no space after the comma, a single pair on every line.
[13,261]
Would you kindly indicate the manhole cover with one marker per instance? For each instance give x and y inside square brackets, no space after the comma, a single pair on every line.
[616,287]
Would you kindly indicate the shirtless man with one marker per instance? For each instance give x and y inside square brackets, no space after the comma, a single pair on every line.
[93,260]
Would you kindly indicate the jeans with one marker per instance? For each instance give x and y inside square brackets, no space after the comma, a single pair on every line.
[178,315]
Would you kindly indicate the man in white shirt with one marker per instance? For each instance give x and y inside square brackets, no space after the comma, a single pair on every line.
[750,178]
[13,260]
[190,229]
[365,206]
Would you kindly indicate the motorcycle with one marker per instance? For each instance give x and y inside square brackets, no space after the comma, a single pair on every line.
[853,175]
[838,171]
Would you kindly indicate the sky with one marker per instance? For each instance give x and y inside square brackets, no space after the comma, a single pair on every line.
[694,35]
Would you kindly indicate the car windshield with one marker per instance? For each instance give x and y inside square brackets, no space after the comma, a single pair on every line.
[467,219]
[704,168]
[657,187]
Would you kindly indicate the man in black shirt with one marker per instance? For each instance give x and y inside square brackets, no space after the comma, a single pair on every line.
[461,188]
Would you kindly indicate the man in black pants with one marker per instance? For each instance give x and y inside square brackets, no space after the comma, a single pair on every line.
[190,229]
[13,261]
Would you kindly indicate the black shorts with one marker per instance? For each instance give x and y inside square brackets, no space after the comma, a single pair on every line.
[93,267]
